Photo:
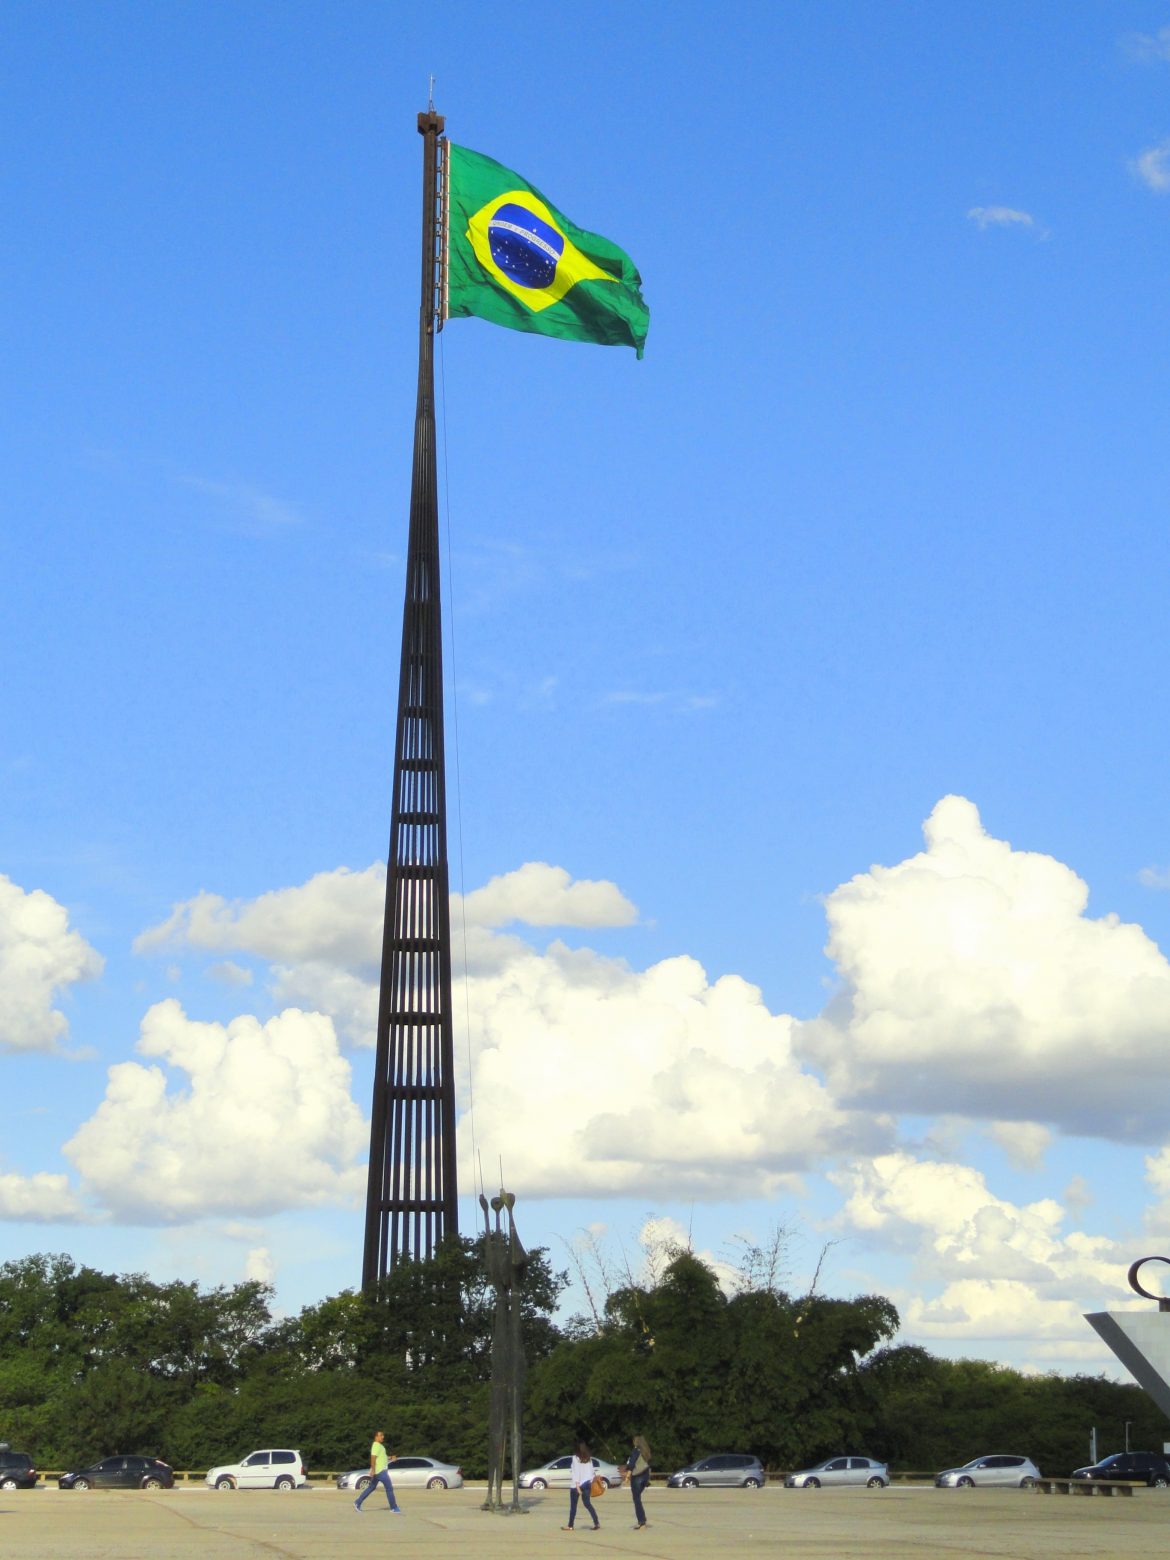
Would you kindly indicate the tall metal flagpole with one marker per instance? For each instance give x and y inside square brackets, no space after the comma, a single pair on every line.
[411,1200]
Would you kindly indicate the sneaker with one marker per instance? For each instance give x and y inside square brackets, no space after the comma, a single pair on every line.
[395,1511]
[357,1505]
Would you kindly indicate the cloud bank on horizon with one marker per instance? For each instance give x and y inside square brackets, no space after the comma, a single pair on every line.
[972,984]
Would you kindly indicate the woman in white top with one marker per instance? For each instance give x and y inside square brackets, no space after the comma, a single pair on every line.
[581,1476]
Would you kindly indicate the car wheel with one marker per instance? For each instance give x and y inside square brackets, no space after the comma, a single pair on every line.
[690,1484]
[1159,1481]
[436,1483]
[1027,1482]
[362,1482]
[751,1484]
[284,1482]
[81,1484]
[812,1484]
[225,1482]
[876,1483]
[152,1483]
[7,1484]
[965,1483]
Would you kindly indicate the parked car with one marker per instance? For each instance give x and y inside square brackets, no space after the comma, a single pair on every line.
[1001,1469]
[411,1473]
[1131,1468]
[270,1470]
[16,1470]
[721,1468]
[121,1473]
[556,1475]
[841,1470]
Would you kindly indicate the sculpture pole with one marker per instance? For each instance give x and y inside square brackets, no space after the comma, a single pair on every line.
[506,1262]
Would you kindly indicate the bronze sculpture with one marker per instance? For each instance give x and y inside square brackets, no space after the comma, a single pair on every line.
[506,1262]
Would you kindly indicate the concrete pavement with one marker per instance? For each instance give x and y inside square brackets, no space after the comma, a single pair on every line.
[907,1523]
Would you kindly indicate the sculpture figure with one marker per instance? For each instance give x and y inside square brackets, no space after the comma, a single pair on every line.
[506,1262]
[1140,1339]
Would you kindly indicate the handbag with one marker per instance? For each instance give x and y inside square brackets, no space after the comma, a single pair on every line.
[598,1487]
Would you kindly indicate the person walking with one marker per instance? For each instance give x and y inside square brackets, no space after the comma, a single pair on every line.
[636,1472]
[379,1474]
[581,1477]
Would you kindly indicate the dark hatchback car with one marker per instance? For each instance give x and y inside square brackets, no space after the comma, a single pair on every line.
[16,1471]
[121,1473]
[1130,1468]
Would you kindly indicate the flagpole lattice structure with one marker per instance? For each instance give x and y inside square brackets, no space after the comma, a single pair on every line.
[411,1199]
[493,247]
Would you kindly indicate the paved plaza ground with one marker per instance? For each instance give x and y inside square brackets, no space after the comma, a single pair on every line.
[908,1523]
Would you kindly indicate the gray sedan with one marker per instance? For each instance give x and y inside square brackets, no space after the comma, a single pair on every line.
[408,1473]
[841,1470]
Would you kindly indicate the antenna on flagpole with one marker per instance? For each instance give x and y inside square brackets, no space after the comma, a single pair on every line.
[430,94]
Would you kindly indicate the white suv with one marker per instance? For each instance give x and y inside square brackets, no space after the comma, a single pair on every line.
[281,1470]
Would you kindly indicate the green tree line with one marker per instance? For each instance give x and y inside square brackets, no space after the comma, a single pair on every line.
[92,1363]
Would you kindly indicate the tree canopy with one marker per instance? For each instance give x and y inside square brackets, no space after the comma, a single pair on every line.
[92,1363]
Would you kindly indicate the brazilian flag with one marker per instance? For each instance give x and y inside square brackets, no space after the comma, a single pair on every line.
[517,261]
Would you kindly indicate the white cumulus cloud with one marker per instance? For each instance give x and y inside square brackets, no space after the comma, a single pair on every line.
[1152,167]
[1005,1269]
[323,938]
[537,894]
[658,1080]
[259,1268]
[972,974]
[261,1119]
[39,958]
[1148,47]
[39,1199]
[335,916]
[996,1310]
[1024,1142]
[985,217]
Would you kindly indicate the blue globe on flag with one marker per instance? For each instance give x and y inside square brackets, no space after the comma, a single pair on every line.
[524,247]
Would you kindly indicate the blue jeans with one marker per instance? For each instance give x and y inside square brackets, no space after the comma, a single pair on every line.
[583,1492]
[383,1479]
[637,1484]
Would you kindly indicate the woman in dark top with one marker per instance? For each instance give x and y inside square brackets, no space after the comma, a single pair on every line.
[637,1471]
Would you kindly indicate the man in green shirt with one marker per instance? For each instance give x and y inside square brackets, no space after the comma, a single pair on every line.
[379,1474]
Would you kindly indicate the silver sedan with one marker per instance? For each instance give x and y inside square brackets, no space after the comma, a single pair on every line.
[1000,1468]
[408,1473]
[841,1470]
[557,1475]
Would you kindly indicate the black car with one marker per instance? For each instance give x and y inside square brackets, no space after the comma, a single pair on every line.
[1131,1468]
[121,1473]
[16,1471]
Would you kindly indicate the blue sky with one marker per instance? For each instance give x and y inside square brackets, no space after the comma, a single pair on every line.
[877,525]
